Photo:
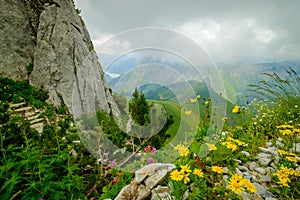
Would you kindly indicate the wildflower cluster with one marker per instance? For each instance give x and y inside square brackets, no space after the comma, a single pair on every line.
[289,130]
[238,184]
[233,144]
[182,150]
[288,155]
[149,149]
[284,174]
[184,173]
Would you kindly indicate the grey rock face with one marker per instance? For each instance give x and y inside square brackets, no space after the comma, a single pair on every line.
[55,40]
[16,42]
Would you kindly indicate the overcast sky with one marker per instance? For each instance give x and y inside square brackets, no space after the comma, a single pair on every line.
[230,31]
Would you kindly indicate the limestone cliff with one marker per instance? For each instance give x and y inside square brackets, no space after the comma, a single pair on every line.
[50,37]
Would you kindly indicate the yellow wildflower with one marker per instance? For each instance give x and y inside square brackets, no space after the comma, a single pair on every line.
[232,146]
[296,173]
[224,119]
[188,112]
[236,109]
[186,178]
[286,132]
[182,150]
[179,146]
[287,170]
[235,184]
[176,175]
[193,100]
[292,154]
[198,96]
[292,159]
[185,168]
[249,185]
[284,181]
[206,102]
[297,130]
[284,126]
[217,169]
[211,147]
[198,172]
[282,152]
[240,143]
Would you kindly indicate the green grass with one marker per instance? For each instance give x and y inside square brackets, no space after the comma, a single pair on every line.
[174,110]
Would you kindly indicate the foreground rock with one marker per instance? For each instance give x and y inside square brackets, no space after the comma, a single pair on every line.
[52,41]
[146,183]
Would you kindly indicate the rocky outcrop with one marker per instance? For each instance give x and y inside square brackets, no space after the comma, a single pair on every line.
[146,183]
[52,41]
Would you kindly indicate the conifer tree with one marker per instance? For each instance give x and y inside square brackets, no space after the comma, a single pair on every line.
[139,108]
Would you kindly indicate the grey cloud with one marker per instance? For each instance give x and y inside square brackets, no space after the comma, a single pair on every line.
[272,18]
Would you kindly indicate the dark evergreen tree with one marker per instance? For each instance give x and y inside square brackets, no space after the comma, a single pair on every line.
[139,108]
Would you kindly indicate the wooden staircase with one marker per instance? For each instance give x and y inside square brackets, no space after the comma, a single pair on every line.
[29,113]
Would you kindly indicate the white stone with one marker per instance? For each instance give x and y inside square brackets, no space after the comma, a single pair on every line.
[260,170]
[253,165]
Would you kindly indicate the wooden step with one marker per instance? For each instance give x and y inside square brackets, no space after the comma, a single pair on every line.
[23,109]
[32,117]
[16,105]
[36,120]
[29,114]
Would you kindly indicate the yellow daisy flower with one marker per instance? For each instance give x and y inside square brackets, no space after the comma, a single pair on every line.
[292,159]
[182,150]
[217,169]
[282,152]
[236,109]
[193,100]
[249,185]
[188,112]
[235,185]
[198,172]
[284,181]
[186,178]
[211,147]
[236,177]
[176,175]
[185,168]
[284,126]
[286,132]
[240,143]
[232,146]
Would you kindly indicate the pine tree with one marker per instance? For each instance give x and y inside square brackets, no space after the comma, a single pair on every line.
[139,108]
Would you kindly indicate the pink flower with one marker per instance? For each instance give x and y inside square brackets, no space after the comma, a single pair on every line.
[147,149]
[41,198]
[113,163]
[150,160]
[153,150]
